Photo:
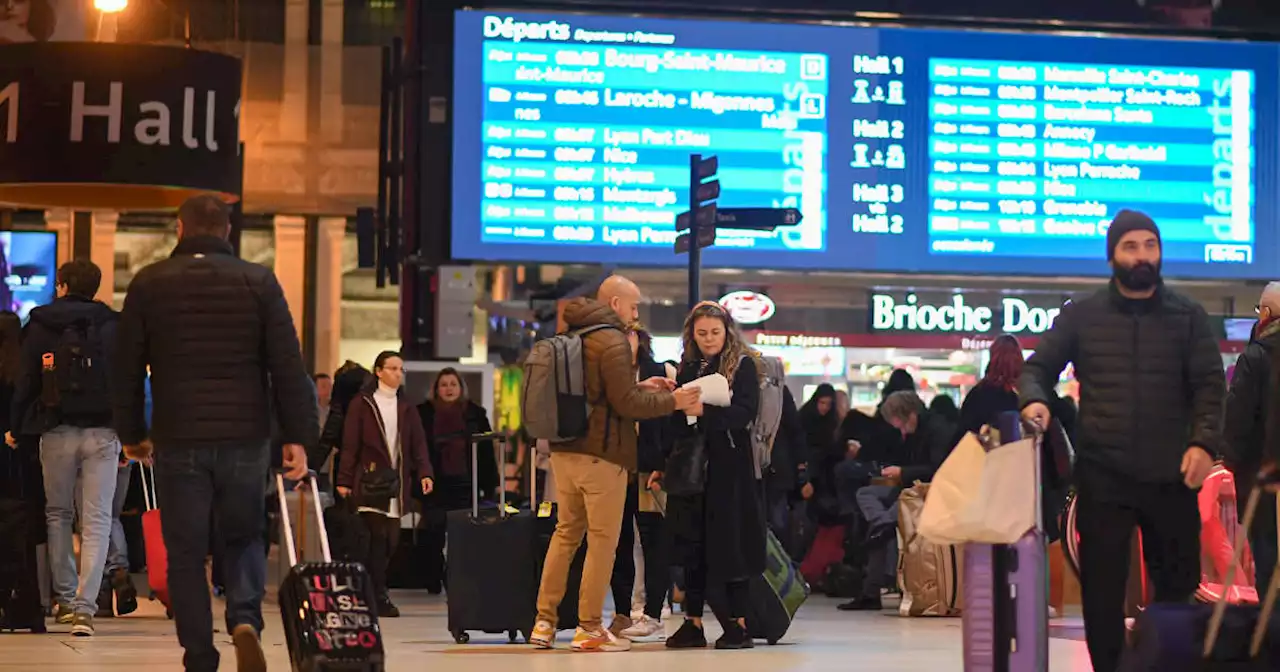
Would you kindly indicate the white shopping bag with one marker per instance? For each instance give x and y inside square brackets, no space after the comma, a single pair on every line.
[980,496]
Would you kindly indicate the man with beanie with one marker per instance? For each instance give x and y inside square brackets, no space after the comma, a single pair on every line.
[1152,387]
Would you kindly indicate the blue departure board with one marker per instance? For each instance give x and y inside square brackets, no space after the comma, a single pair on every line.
[905,149]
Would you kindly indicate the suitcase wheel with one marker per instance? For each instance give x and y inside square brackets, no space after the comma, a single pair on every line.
[168,613]
[512,635]
[461,637]
[773,641]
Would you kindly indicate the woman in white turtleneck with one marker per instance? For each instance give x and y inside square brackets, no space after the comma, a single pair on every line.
[383,441]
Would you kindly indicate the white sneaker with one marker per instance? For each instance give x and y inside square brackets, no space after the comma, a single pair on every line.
[645,628]
[601,640]
[543,635]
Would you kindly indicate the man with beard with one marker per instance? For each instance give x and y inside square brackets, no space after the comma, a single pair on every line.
[1151,395]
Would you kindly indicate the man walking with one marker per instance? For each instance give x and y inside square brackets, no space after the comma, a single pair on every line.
[224,355]
[591,473]
[1151,397]
[64,395]
[1244,427]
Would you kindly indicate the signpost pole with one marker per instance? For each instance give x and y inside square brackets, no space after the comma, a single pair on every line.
[695,229]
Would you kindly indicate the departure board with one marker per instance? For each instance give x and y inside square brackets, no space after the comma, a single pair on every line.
[905,149]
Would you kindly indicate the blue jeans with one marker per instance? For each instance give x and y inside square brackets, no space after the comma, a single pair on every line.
[92,457]
[118,550]
[196,484]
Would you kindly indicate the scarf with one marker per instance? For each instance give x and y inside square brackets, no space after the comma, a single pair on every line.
[449,429]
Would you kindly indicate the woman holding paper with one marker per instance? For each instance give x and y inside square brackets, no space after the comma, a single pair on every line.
[718,535]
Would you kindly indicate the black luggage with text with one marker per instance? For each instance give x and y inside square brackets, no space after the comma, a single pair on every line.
[1220,637]
[774,596]
[20,607]
[329,609]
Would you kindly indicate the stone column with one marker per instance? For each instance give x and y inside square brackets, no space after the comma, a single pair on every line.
[58,220]
[328,289]
[297,54]
[291,263]
[102,251]
[331,57]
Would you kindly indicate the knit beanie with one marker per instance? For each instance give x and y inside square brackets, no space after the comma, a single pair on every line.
[1126,221]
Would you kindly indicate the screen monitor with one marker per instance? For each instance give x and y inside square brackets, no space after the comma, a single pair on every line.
[29,262]
[905,149]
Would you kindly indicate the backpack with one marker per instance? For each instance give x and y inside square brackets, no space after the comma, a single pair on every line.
[764,430]
[553,401]
[74,387]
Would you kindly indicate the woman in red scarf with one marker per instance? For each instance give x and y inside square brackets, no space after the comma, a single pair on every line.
[449,419]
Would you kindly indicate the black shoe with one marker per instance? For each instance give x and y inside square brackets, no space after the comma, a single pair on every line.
[735,637]
[126,593]
[689,636]
[386,609]
[106,608]
[862,604]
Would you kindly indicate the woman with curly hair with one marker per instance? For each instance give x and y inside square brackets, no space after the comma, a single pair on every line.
[719,535]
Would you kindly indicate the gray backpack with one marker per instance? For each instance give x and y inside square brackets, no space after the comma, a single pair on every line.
[553,400]
[768,414]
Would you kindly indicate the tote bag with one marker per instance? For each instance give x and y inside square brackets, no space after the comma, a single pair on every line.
[982,496]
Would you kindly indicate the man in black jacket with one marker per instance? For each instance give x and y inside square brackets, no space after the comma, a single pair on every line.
[927,440]
[224,354]
[1151,386]
[1244,427]
[63,395]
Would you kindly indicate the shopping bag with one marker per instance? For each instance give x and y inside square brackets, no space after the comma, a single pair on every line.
[980,495]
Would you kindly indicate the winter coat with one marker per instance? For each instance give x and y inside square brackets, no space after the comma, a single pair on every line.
[1151,382]
[365,449]
[1244,425]
[983,404]
[725,526]
[477,423]
[224,354]
[925,449]
[616,401]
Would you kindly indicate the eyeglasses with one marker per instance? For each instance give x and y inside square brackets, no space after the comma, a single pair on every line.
[1257,309]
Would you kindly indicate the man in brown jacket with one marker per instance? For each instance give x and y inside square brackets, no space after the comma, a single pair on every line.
[591,473]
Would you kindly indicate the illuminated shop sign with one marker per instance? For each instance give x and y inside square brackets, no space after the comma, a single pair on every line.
[746,307]
[1011,315]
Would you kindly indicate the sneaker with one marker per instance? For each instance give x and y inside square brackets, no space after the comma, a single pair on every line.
[735,637]
[644,627]
[689,636]
[862,604]
[543,635]
[63,615]
[387,609]
[82,625]
[619,624]
[249,655]
[600,640]
[126,593]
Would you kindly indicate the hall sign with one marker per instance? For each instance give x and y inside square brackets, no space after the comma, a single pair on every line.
[1011,315]
[117,126]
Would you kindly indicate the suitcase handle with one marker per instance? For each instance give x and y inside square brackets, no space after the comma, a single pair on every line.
[288,524]
[499,439]
[149,497]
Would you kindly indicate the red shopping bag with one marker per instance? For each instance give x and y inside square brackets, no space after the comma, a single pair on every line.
[153,539]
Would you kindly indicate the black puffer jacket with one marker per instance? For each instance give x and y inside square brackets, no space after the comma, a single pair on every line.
[1245,421]
[221,343]
[42,334]
[1151,381]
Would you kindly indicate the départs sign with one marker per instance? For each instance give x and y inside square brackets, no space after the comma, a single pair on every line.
[1011,315]
[746,307]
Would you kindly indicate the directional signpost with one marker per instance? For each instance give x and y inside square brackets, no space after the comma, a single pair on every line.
[700,221]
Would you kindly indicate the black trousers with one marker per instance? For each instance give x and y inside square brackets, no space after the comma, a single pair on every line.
[384,535]
[737,594]
[657,566]
[1169,519]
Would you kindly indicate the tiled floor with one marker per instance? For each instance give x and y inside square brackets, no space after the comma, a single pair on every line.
[821,639]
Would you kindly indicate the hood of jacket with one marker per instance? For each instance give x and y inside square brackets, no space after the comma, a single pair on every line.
[582,312]
[68,310]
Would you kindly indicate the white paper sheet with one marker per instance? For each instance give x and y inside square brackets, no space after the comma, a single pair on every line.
[715,391]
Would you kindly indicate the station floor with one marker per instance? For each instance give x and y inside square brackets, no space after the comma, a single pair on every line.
[821,639]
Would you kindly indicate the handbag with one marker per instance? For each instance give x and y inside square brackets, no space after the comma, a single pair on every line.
[379,485]
[686,472]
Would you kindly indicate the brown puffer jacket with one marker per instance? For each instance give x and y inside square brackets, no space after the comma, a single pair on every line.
[616,402]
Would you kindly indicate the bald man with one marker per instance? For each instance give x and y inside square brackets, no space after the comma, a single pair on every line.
[1245,423]
[591,473]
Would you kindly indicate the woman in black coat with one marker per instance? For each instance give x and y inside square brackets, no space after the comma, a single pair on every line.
[719,536]
[996,393]
[450,419]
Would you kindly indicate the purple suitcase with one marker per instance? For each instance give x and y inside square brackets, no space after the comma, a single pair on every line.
[1006,602]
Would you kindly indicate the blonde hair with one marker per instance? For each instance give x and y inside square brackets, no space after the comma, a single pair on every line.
[735,348]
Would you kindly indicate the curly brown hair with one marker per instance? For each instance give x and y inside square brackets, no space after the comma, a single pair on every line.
[735,348]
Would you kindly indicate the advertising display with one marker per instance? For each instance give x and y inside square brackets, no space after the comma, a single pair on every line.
[905,149]
[28,261]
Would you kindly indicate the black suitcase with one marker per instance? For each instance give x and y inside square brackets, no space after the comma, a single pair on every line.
[20,607]
[1210,638]
[329,609]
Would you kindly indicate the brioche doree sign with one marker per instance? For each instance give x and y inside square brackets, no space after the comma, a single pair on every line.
[910,313]
[117,126]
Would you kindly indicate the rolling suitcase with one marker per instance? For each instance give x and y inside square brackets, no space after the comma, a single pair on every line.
[774,596]
[1006,601]
[153,540]
[329,610]
[20,607]
[1219,638]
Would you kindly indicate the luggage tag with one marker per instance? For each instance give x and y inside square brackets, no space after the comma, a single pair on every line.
[544,510]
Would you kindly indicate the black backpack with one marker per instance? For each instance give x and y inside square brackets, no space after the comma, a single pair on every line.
[74,382]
